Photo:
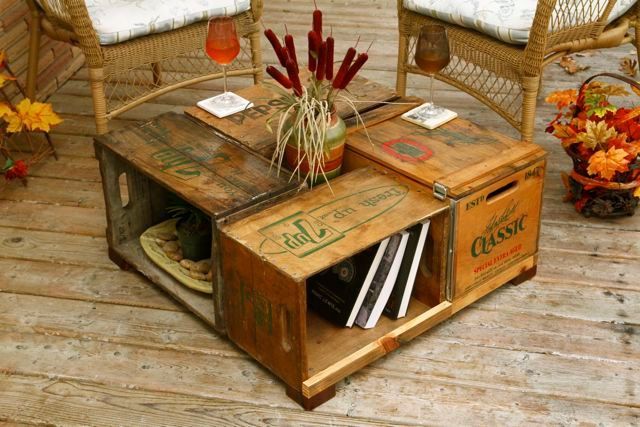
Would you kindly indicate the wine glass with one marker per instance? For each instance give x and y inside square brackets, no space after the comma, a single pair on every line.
[432,55]
[223,47]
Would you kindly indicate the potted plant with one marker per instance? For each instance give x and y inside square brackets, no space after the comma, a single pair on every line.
[603,140]
[194,231]
[310,135]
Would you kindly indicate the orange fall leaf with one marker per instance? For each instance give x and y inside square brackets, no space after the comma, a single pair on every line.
[37,115]
[562,98]
[606,164]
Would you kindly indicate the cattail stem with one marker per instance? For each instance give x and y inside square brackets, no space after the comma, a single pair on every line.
[322,62]
[342,71]
[279,77]
[329,63]
[353,70]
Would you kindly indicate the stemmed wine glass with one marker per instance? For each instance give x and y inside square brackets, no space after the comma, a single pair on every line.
[223,47]
[432,55]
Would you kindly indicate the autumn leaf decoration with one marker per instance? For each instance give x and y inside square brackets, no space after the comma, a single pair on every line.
[607,164]
[33,116]
[4,76]
[596,134]
[26,116]
[629,66]
[602,138]
[570,65]
[562,98]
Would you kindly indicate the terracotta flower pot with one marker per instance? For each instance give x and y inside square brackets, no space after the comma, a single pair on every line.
[334,140]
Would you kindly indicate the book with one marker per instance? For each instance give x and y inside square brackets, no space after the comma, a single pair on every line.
[338,292]
[211,105]
[401,294]
[383,281]
[431,122]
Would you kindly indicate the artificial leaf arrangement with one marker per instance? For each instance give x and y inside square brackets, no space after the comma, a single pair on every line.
[22,119]
[304,136]
[603,140]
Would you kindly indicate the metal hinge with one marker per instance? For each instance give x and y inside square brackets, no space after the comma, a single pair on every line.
[439,191]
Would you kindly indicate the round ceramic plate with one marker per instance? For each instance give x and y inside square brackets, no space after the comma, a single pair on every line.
[150,244]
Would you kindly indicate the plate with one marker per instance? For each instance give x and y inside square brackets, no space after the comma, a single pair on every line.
[150,244]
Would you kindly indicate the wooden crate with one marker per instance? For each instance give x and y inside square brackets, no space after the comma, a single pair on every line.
[491,182]
[249,127]
[143,165]
[268,257]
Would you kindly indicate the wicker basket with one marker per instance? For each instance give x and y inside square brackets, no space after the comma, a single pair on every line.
[594,197]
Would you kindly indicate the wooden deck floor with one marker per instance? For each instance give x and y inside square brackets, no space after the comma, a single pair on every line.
[82,342]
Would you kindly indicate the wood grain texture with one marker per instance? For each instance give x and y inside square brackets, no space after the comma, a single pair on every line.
[456,154]
[249,127]
[558,350]
[190,160]
[363,196]
[84,283]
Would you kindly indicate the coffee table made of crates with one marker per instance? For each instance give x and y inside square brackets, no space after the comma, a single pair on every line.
[481,191]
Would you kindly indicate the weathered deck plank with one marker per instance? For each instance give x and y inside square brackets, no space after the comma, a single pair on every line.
[29,277]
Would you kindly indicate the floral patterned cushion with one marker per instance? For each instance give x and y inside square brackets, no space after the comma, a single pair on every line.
[506,20]
[118,20]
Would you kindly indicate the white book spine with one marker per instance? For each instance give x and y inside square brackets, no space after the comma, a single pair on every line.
[388,283]
[404,304]
[367,282]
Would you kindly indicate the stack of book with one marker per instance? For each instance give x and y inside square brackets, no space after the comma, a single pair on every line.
[376,281]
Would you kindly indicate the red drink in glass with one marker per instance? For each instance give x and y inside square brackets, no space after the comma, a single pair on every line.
[222,46]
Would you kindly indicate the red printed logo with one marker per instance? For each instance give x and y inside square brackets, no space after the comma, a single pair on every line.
[407,150]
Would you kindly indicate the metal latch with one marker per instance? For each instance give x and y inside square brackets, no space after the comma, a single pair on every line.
[439,191]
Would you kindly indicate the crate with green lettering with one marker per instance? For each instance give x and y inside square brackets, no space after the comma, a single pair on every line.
[493,184]
[268,258]
[145,167]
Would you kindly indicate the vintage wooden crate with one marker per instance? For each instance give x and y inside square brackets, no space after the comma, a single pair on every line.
[493,184]
[142,165]
[268,257]
[249,128]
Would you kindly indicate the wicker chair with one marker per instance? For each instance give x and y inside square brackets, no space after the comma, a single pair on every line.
[126,74]
[507,77]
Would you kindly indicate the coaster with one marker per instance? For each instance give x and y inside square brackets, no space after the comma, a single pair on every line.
[432,122]
[212,106]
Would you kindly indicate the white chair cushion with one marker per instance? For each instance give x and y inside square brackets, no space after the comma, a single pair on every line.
[506,20]
[116,21]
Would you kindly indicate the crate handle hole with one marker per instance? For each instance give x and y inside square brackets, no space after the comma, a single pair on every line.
[502,191]
[285,321]
[123,184]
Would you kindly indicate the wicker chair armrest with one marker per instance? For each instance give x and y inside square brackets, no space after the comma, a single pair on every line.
[83,28]
[256,8]
[554,29]
[537,43]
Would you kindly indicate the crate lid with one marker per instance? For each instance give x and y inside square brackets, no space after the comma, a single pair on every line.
[317,229]
[458,157]
[194,162]
[249,127]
